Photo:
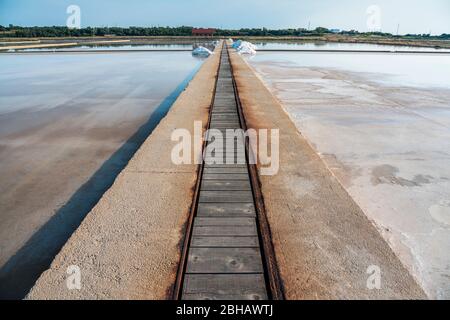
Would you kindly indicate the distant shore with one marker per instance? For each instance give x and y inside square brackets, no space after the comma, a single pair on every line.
[188,39]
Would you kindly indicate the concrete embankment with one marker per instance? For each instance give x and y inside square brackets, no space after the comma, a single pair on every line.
[128,246]
[325,246]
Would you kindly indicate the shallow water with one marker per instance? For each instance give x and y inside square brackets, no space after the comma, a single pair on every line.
[382,125]
[421,70]
[339,46]
[118,47]
[68,125]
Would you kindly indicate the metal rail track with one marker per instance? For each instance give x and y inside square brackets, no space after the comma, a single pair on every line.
[227,252]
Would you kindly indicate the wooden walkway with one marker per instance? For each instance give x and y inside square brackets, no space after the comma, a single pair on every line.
[224,258]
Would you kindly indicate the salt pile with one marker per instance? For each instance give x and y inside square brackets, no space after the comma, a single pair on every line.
[202,52]
[244,47]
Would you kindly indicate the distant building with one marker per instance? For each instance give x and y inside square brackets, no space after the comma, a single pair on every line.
[335,30]
[200,32]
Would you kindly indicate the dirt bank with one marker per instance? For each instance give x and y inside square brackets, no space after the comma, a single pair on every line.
[128,246]
[324,243]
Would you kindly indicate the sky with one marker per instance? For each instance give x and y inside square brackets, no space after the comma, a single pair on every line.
[409,16]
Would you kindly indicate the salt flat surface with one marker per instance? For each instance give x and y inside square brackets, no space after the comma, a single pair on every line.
[382,125]
[320,45]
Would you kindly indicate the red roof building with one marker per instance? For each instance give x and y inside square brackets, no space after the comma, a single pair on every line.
[201,32]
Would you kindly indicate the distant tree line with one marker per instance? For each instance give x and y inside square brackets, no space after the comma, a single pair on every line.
[58,31]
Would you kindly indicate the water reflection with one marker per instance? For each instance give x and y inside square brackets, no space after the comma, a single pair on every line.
[381,122]
[321,45]
[394,69]
[68,125]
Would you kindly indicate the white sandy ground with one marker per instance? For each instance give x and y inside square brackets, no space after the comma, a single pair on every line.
[389,146]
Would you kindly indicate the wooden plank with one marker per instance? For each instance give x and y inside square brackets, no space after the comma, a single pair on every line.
[225,94]
[224,231]
[229,107]
[222,111]
[224,155]
[224,105]
[215,150]
[230,176]
[225,170]
[225,116]
[225,166]
[225,242]
[225,185]
[221,221]
[234,119]
[226,210]
[224,81]
[226,196]
[224,287]
[224,123]
[234,134]
[224,260]
[225,86]
[221,161]
[230,100]
[221,149]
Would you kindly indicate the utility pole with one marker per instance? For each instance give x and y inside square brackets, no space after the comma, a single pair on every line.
[398,27]
[309,25]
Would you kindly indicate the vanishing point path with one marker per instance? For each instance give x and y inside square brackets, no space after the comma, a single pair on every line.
[224,251]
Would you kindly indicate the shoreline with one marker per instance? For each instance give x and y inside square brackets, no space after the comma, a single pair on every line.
[443,44]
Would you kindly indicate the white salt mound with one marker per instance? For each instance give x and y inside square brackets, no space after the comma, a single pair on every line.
[244,47]
[202,52]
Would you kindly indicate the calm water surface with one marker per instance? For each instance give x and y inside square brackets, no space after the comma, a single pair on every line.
[338,46]
[173,46]
[393,69]
[68,124]
[381,122]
